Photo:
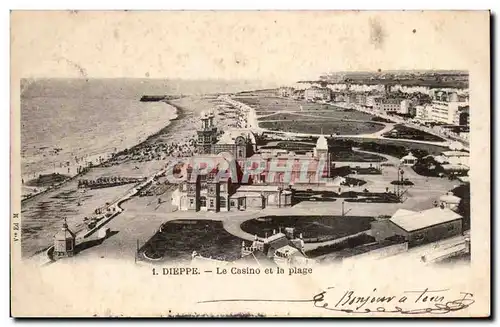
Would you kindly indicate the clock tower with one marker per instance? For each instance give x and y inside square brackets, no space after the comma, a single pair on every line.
[207,135]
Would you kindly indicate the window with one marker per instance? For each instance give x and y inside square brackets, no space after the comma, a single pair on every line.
[419,237]
[223,202]
[212,203]
[451,228]
[233,204]
[203,201]
[240,153]
[191,202]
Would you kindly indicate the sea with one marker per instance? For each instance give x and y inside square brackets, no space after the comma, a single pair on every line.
[68,120]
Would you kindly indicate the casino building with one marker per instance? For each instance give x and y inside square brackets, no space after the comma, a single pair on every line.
[238,177]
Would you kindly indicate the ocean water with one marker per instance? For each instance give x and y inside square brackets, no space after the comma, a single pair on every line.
[66,118]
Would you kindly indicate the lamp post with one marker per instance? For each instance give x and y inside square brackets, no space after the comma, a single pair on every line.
[343,212]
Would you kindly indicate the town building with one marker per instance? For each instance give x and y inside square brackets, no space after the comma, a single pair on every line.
[214,180]
[405,107]
[445,107]
[443,111]
[456,157]
[286,91]
[315,93]
[418,228]
[387,104]
[461,117]
[239,142]
[422,113]
[454,161]
[361,99]
[64,242]
[284,249]
[370,100]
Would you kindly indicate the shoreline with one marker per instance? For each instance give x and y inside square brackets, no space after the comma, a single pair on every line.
[179,114]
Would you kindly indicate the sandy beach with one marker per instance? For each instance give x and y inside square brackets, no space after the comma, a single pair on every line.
[42,214]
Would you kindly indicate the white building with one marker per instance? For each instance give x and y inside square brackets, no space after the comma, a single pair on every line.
[318,93]
[387,104]
[286,91]
[409,159]
[405,107]
[457,157]
[422,112]
[443,111]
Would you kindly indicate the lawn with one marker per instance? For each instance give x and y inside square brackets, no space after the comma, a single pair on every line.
[332,113]
[405,132]
[274,104]
[179,238]
[355,156]
[313,228]
[322,126]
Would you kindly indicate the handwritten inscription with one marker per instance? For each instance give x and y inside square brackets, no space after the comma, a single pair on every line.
[409,302]
[425,301]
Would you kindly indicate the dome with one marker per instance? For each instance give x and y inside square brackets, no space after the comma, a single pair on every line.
[322,143]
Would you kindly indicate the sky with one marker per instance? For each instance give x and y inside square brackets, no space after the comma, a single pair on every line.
[273,46]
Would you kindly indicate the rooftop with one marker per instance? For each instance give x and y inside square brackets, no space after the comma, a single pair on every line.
[455,154]
[258,188]
[454,167]
[287,250]
[412,221]
[322,143]
[450,198]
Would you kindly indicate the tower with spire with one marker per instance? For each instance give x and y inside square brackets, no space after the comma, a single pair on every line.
[64,242]
[321,151]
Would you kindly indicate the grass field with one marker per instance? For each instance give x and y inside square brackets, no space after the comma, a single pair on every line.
[311,227]
[331,113]
[354,156]
[405,132]
[323,126]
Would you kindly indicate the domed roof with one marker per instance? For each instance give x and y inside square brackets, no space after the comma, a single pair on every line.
[322,143]
[64,233]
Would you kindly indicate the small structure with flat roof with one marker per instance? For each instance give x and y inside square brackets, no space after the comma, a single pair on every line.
[419,227]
